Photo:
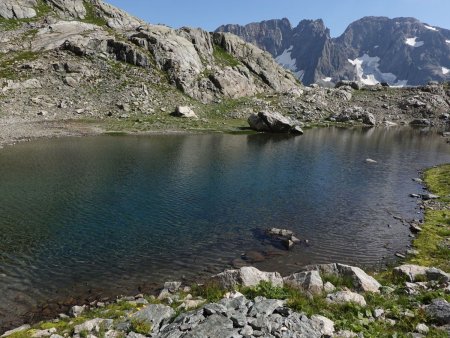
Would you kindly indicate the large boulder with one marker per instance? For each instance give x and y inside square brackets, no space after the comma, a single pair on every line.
[186,112]
[309,281]
[274,122]
[246,276]
[361,280]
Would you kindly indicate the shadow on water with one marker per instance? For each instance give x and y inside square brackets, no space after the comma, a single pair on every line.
[83,219]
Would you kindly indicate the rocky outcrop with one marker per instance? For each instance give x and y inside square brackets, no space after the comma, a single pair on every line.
[274,123]
[18,9]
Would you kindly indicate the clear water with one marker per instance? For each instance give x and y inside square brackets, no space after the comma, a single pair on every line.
[94,217]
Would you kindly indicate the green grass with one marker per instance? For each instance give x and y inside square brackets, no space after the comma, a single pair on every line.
[224,58]
[140,327]
[91,15]
[210,291]
[432,244]
[9,62]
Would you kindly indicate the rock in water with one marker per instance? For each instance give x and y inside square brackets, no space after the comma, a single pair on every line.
[274,123]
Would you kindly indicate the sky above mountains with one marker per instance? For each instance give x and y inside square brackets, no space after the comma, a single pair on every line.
[337,15]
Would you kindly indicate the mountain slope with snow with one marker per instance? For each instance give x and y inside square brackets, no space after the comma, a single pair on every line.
[400,51]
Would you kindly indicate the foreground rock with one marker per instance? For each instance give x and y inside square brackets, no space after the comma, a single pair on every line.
[413,273]
[274,123]
[360,280]
[246,276]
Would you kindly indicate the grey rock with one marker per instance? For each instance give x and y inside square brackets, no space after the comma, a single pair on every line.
[411,272]
[94,325]
[274,122]
[184,112]
[427,197]
[264,307]
[324,325]
[246,276]
[17,9]
[309,281]
[77,311]
[16,330]
[422,328]
[154,315]
[43,333]
[343,297]
[369,119]
[135,335]
[439,310]
[420,122]
[361,280]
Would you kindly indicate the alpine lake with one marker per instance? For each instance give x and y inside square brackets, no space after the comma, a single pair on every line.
[94,217]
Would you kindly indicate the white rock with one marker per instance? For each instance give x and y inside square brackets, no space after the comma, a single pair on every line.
[93,325]
[422,328]
[324,325]
[76,310]
[343,297]
[43,333]
[247,276]
[185,112]
[18,329]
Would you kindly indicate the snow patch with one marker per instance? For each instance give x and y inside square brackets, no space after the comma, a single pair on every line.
[286,60]
[368,72]
[430,28]
[447,41]
[327,79]
[413,43]
[445,71]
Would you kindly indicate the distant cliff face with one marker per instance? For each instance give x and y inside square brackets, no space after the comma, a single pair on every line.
[401,51]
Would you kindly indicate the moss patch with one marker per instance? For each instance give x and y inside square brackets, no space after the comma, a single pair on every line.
[224,58]
[433,242]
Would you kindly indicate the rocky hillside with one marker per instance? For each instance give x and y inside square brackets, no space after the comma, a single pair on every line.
[73,48]
[400,51]
[81,67]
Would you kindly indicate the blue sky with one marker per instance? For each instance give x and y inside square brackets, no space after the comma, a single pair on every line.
[337,14]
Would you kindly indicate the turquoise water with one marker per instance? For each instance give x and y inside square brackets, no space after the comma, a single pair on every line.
[93,217]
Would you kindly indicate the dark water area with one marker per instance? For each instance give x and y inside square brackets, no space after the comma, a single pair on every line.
[103,216]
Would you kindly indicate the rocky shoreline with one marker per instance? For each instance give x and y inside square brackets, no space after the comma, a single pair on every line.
[239,311]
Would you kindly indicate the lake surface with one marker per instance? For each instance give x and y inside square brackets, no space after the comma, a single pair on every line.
[104,216]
